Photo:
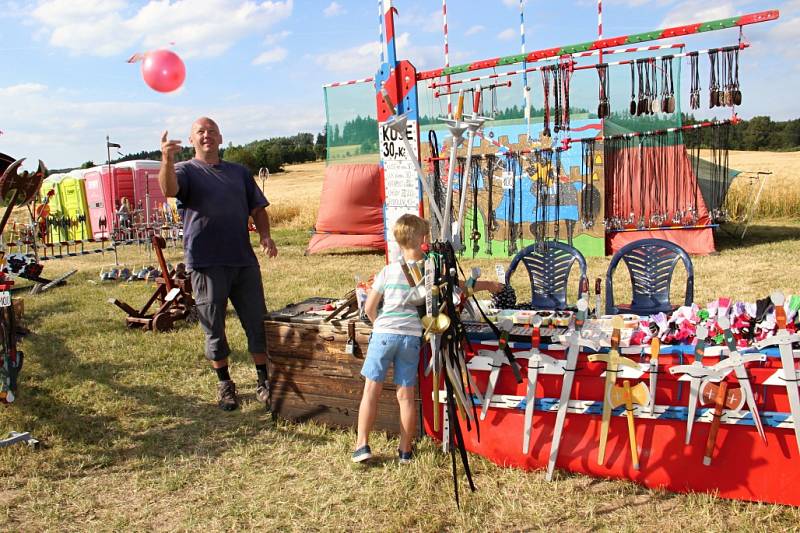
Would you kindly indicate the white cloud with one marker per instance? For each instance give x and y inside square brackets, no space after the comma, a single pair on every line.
[275,38]
[110,27]
[513,3]
[275,55]
[334,9]
[507,34]
[361,60]
[473,30]
[64,130]
[691,11]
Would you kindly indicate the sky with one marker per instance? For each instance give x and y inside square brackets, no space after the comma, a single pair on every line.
[258,67]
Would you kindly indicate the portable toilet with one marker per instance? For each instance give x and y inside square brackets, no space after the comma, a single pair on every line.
[102,207]
[147,196]
[75,207]
[52,183]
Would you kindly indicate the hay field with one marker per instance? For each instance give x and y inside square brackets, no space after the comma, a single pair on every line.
[780,197]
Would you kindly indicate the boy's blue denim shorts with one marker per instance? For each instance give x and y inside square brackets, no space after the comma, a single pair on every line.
[387,349]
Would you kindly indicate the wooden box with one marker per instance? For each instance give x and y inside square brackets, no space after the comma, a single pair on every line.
[311,374]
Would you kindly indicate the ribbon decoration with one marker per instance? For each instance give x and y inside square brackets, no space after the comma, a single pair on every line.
[736,361]
[575,341]
[613,361]
[696,372]
[627,396]
[720,396]
[783,340]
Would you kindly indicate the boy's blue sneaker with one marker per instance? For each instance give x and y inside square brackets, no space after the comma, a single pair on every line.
[404,457]
[362,454]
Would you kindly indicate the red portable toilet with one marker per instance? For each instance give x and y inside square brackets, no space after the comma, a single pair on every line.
[102,207]
[146,190]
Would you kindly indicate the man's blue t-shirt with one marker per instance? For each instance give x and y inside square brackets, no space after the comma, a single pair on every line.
[217,201]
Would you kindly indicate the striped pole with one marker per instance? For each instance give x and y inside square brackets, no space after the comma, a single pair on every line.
[574,56]
[349,82]
[735,120]
[675,56]
[526,99]
[388,25]
[600,25]
[446,56]
[380,33]
[654,35]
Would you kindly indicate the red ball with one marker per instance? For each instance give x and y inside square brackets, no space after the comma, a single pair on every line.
[163,70]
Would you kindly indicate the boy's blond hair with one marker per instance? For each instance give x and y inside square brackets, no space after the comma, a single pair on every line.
[410,228]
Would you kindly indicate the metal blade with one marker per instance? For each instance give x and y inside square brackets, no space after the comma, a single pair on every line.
[694,392]
[651,406]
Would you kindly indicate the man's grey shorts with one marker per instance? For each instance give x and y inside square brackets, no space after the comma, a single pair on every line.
[212,287]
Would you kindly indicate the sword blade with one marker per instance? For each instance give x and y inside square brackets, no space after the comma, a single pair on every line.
[694,392]
[651,406]
[790,377]
[744,383]
[496,364]
[606,419]
[530,401]
[566,390]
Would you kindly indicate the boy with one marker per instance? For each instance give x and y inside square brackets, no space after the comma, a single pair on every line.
[396,340]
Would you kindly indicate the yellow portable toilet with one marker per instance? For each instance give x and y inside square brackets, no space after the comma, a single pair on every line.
[55,233]
[75,208]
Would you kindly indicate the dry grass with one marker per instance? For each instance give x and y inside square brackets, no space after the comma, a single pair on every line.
[134,442]
[780,197]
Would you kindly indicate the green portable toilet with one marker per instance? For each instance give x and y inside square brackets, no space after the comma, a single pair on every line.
[55,233]
[74,206]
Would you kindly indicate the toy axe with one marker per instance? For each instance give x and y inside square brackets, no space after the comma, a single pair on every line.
[18,189]
[613,361]
[720,396]
[783,339]
[627,396]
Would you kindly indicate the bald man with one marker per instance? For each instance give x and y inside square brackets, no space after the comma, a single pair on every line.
[217,197]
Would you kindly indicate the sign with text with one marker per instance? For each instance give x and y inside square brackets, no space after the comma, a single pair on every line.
[400,180]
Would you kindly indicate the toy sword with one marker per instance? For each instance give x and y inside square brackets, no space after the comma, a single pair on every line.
[537,362]
[736,361]
[434,324]
[627,396]
[497,358]
[575,341]
[655,348]
[721,396]
[613,361]
[696,372]
[783,339]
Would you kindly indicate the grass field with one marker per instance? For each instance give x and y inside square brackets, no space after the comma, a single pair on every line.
[132,439]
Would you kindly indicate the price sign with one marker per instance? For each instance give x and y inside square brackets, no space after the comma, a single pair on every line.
[5,298]
[400,179]
[508,179]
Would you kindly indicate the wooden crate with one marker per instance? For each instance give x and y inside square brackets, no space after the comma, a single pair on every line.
[312,376]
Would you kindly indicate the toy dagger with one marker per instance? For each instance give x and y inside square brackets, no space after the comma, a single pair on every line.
[721,396]
[627,396]
[696,371]
[575,341]
[655,348]
[783,339]
[737,362]
[613,361]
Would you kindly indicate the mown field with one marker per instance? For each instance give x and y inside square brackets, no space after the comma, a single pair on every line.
[132,439]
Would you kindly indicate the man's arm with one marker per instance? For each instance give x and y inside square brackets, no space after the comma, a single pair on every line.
[261,220]
[167,179]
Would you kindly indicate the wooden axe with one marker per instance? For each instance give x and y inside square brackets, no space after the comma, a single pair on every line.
[721,396]
[627,396]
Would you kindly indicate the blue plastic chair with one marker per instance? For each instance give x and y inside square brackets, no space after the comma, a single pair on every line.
[651,263]
[549,265]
